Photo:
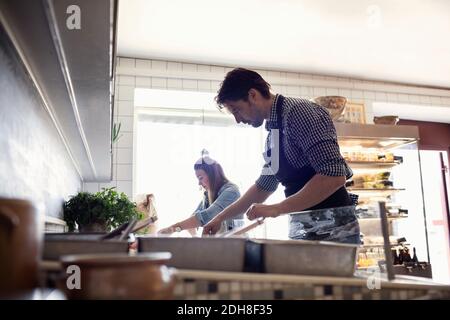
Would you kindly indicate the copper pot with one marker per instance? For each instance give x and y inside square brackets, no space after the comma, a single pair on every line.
[20,245]
[118,276]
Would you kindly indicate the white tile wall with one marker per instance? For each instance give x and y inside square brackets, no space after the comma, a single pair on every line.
[274,74]
[125,187]
[176,84]
[218,70]
[345,92]
[318,77]
[111,184]
[228,69]
[381,96]
[414,98]
[124,108]
[124,156]
[90,187]
[392,97]
[305,76]
[436,100]
[293,90]
[190,84]
[279,89]
[189,67]
[215,85]
[425,99]
[369,95]
[124,172]
[126,93]
[306,92]
[114,150]
[357,94]
[403,97]
[126,123]
[126,140]
[143,64]
[174,66]
[446,101]
[127,62]
[159,83]
[204,85]
[203,68]
[143,82]
[159,65]
[319,92]
[332,91]
[127,80]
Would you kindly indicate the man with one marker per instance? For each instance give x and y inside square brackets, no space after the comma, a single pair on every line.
[302,154]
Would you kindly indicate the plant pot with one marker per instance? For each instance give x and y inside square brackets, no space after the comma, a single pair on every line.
[93,227]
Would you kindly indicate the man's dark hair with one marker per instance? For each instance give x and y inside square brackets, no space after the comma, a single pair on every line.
[237,84]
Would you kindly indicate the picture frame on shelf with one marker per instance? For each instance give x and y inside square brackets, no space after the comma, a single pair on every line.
[355,113]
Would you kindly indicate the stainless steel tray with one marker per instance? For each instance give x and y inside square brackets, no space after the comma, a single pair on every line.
[207,253]
[59,244]
[316,258]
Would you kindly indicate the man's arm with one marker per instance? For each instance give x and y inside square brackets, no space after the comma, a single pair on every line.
[253,195]
[315,191]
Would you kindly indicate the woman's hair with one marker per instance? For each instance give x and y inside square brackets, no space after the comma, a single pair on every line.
[215,175]
[237,84]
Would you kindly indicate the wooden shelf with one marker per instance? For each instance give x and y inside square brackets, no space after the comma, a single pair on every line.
[382,137]
[364,191]
[367,268]
[372,164]
[389,218]
[378,245]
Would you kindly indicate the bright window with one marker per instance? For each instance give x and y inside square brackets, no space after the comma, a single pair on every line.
[173,127]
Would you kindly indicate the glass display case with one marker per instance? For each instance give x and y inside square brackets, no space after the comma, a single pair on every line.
[386,165]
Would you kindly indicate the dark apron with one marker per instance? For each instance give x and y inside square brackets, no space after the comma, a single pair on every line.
[331,225]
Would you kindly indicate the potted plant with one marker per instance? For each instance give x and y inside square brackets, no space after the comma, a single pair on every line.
[100,211]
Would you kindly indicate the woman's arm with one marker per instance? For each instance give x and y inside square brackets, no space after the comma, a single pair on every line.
[190,223]
[224,199]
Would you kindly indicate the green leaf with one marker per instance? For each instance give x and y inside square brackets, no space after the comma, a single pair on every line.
[107,207]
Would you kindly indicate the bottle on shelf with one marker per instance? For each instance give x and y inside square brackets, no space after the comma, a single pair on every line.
[395,256]
[400,256]
[406,255]
[414,258]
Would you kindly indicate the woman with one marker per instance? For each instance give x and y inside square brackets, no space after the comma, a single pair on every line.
[219,194]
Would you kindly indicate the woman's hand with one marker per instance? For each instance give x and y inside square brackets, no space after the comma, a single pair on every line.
[263,210]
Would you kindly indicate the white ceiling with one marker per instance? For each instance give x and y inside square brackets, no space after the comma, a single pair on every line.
[404,41]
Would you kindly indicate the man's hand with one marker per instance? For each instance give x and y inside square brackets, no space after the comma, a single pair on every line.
[212,227]
[263,210]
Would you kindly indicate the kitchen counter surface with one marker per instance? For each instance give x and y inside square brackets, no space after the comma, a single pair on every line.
[401,282]
[196,284]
